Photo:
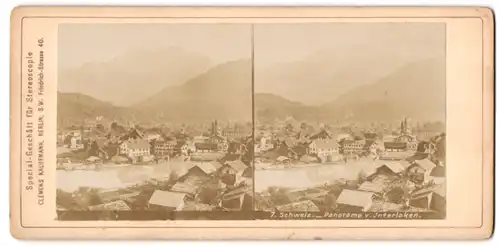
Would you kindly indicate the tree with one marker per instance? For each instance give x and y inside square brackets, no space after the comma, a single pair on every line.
[173,177]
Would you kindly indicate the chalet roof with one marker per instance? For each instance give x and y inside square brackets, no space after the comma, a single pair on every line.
[238,165]
[208,167]
[437,189]
[355,198]
[186,188]
[395,145]
[325,144]
[167,198]
[118,205]
[427,164]
[302,206]
[395,167]
[371,187]
[206,146]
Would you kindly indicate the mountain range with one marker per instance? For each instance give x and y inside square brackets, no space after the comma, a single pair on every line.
[416,89]
[224,92]
[134,76]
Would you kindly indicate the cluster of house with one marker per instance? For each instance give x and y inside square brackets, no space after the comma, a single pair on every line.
[412,185]
[201,186]
[139,146]
[207,186]
[324,146]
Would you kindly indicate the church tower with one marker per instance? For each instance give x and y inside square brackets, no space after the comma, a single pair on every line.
[215,128]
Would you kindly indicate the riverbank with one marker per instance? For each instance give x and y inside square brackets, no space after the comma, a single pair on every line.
[312,175]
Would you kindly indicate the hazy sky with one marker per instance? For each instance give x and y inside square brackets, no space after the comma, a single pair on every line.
[312,63]
[337,57]
[84,43]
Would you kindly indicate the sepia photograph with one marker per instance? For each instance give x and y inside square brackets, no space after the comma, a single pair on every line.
[251,123]
[350,119]
[154,121]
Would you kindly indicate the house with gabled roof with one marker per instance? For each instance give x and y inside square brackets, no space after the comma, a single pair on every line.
[186,188]
[323,134]
[323,147]
[391,168]
[371,187]
[420,170]
[209,167]
[195,176]
[431,198]
[237,199]
[137,150]
[354,201]
[236,167]
[167,200]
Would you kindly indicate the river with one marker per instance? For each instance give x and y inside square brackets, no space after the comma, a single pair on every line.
[309,176]
[111,177]
[117,176]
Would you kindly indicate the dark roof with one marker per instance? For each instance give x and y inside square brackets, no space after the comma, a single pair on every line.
[368,143]
[417,156]
[395,145]
[238,165]
[322,133]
